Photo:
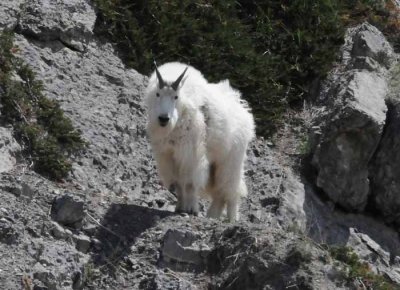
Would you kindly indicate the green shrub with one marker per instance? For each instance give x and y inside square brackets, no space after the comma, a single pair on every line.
[271,50]
[47,136]
[267,50]
[357,269]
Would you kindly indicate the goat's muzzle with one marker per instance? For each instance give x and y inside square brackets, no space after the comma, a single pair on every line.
[163,120]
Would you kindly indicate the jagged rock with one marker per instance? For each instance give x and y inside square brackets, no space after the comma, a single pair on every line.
[45,276]
[82,243]
[27,191]
[96,244]
[350,130]
[8,234]
[78,280]
[9,148]
[273,188]
[375,242]
[161,281]
[90,229]
[9,185]
[378,258]
[58,231]
[370,44]
[70,22]
[242,259]
[67,210]
[183,247]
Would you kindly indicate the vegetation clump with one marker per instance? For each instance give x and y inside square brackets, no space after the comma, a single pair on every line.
[273,51]
[361,271]
[47,136]
[384,14]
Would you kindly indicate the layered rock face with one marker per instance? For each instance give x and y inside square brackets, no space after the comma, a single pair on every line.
[355,122]
[70,22]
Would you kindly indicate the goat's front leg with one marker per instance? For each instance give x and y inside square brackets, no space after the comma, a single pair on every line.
[176,189]
[187,199]
[194,180]
[193,165]
[167,169]
[190,200]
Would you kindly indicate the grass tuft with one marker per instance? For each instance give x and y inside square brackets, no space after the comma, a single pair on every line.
[361,271]
[47,136]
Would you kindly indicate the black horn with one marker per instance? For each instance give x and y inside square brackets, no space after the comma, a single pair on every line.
[175,85]
[161,82]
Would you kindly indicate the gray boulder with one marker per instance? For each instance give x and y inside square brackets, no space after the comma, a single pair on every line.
[351,128]
[70,22]
[8,233]
[183,247]
[44,277]
[82,243]
[67,210]
[369,43]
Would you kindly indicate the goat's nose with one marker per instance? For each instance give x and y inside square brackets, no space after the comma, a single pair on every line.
[163,119]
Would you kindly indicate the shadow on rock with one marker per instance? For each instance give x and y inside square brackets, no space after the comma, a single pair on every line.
[370,237]
[121,225]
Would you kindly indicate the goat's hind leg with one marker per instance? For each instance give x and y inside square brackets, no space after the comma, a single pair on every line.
[231,180]
[176,189]
[217,207]
[232,209]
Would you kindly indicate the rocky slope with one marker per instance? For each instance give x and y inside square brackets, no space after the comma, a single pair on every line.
[110,225]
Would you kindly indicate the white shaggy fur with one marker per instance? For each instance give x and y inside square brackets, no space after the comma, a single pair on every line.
[202,149]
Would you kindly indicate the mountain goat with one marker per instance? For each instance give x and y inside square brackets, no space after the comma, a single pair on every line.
[199,133]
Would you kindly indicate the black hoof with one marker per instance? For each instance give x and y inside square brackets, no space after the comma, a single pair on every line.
[178,210]
[193,212]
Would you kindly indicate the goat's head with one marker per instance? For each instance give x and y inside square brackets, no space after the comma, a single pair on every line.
[165,102]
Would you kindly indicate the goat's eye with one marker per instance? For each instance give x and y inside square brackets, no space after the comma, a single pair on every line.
[157,94]
[176,97]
